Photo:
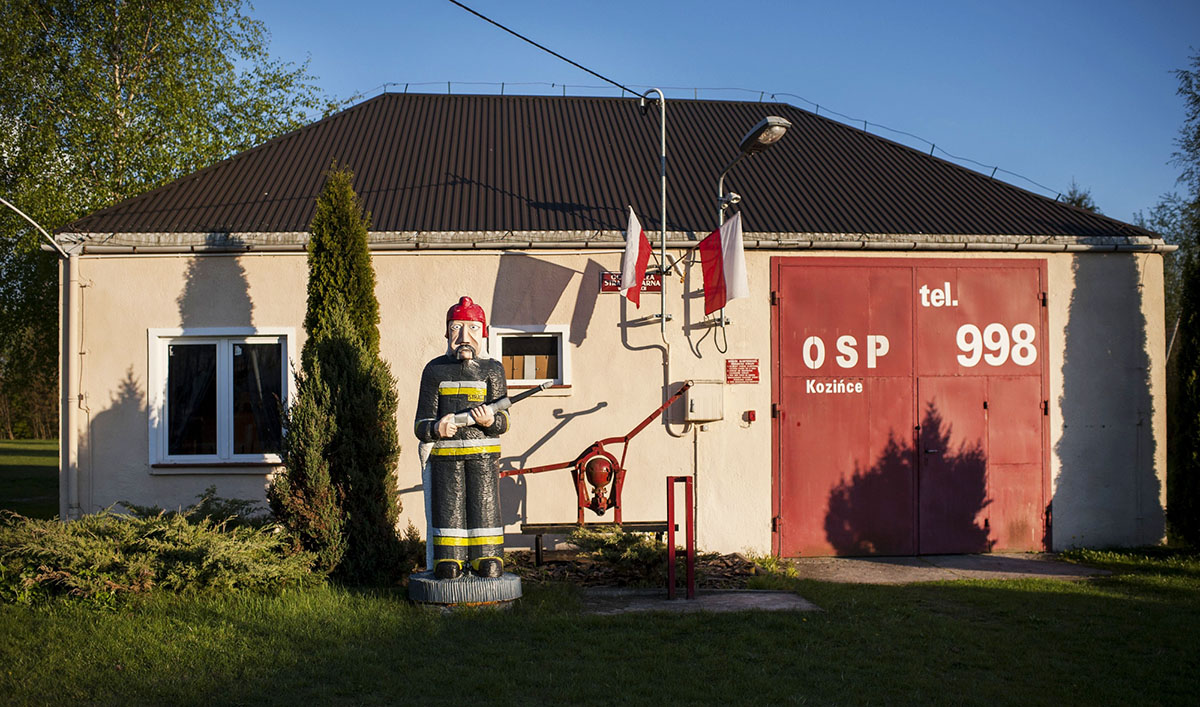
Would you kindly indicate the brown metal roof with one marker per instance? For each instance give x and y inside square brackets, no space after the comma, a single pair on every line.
[445,163]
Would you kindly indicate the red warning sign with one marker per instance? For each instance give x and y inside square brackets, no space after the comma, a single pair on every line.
[611,282]
[741,370]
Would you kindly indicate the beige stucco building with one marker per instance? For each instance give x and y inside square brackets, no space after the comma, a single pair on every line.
[887,289]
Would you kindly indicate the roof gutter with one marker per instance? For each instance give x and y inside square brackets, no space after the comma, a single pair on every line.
[679,244]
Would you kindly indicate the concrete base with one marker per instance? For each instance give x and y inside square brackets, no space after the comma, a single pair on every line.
[468,590]
[620,600]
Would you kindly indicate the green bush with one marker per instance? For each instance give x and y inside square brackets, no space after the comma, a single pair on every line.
[233,512]
[628,554]
[412,547]
[106,558]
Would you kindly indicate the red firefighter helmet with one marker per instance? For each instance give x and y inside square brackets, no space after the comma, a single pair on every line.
[467,311]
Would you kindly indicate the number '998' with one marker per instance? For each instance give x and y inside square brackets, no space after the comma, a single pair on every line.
[995,344]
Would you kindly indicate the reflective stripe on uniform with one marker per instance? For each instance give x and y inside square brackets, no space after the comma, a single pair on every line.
[475,391]
[467,542]
[463,451]
[459,447]
[466,532]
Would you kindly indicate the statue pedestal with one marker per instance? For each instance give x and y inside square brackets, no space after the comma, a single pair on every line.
[468,590]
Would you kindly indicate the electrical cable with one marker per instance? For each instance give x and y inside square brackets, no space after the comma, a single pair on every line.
[696,92]
[545,49]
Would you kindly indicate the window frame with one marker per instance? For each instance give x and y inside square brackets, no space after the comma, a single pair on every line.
[561,334]
[159,342]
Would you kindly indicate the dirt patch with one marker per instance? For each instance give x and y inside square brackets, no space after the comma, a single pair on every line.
[713,571]
[733,571]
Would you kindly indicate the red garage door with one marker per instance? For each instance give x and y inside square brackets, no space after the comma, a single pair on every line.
[909,405]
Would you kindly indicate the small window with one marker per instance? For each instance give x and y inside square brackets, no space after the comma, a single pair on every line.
[217,395]
[532,355]
[191,399]
[257,397]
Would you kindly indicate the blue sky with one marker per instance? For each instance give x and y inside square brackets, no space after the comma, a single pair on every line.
[1051,90]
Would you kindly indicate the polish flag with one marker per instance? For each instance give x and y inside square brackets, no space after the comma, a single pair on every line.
[724,265]
[633,262]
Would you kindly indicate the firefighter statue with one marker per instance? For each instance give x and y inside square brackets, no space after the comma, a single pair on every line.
[461,474]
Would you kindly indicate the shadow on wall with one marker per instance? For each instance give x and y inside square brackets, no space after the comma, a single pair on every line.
[869,514]
[104,449]
[585,301]
[1106,492]
[513,488]
[527,290]
[215,291]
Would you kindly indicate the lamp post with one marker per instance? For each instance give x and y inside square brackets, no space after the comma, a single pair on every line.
[664,266]
[766,133]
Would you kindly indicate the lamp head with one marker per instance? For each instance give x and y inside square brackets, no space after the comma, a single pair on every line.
[766,133]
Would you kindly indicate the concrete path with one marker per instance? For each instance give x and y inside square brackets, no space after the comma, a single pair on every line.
[860,570]
[620,600]
[934,568]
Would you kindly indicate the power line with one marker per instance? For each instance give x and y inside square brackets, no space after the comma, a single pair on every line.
[696,94]
[545,49]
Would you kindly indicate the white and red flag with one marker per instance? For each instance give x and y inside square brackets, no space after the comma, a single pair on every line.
[724,264]
[633,262]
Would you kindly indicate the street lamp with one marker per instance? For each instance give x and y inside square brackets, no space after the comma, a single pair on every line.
[767,132]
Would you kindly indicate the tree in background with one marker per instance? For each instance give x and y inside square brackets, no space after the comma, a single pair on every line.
[1078,196]
[101,100]
[1179,219]
[346,385]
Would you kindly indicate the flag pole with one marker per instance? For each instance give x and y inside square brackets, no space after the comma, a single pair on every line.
[663,266]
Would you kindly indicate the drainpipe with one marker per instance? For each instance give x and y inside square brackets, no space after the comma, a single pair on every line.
[68,505]
[68,384]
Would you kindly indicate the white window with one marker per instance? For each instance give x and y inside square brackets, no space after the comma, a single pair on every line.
[533,354]
[216,395]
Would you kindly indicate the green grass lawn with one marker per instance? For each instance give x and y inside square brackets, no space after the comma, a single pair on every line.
[1130,638]
[29,477]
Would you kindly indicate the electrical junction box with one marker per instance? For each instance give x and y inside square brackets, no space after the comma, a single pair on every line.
[704,401]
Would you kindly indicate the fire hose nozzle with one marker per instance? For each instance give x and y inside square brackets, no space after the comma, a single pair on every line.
[463,419]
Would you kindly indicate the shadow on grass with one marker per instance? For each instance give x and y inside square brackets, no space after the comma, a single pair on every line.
[1114,641]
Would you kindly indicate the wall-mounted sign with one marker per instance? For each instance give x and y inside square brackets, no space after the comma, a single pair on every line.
[611,282]
[741,370]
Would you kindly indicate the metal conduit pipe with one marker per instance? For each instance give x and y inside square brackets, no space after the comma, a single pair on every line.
[69,385]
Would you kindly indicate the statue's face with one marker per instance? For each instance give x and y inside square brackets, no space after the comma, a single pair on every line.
[466,339]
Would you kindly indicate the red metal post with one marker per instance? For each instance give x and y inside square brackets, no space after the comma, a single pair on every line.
[671,537]
[689,521]
[691,539]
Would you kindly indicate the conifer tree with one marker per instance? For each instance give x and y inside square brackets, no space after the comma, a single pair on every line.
[302,495]
[340,437]
[339,263]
